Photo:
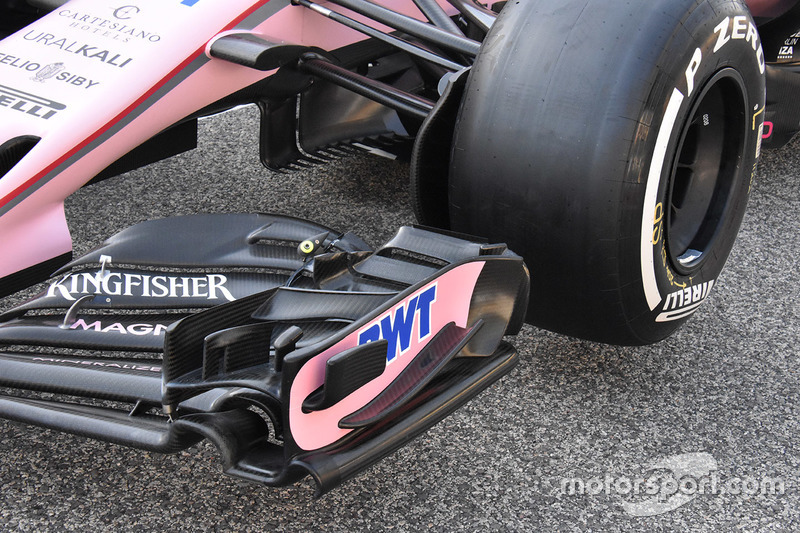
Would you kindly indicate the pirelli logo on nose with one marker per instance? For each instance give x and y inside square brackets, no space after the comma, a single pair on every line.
[28,103]
[208,286]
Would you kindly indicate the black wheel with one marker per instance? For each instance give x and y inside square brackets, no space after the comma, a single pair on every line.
[613,146]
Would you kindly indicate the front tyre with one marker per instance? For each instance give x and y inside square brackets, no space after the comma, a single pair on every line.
[613,146]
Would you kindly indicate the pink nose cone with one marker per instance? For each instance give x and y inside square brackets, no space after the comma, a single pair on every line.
[769,8]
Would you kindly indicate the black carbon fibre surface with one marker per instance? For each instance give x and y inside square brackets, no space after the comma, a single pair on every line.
[247,341]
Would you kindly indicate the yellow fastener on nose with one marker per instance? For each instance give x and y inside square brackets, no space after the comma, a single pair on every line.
[307,247]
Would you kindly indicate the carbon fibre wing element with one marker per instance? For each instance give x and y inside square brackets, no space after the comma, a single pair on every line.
[294,348]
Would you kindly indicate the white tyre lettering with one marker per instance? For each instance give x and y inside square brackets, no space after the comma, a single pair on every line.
[739,27]
[691,70]
[752,36]
[647,260]
[762,65]
[722,30]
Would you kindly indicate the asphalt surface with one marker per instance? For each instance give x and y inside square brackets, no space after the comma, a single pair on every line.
[715,405]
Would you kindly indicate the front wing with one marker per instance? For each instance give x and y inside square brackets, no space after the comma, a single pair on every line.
[295,349]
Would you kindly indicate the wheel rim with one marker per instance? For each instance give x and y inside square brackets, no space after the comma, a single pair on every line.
[706,171]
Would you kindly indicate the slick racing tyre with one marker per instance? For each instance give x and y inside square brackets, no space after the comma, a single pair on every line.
[612,145]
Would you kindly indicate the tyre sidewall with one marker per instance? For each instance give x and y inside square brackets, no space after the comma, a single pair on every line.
[553,148]
[667,296]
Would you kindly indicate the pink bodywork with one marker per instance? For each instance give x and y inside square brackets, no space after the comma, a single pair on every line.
[319,428]
[83,139]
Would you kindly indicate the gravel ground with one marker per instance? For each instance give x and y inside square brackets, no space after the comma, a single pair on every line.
[716,403]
